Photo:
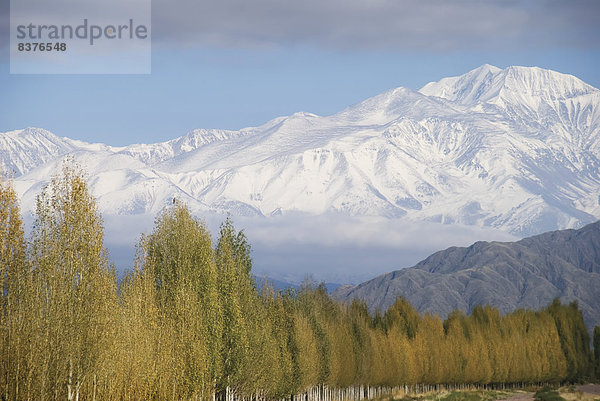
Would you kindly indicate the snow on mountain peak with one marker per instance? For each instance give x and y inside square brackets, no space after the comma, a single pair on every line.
[466,88]
[393,104]
[491,84]
[515,148]
[22,150]
[547,84]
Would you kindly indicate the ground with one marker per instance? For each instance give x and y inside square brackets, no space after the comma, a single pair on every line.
[586,392]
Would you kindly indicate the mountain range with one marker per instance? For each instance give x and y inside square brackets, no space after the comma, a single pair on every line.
[517,149]
[528,273]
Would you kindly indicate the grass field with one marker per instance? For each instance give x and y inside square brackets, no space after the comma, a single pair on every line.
[466,395]
[567,393]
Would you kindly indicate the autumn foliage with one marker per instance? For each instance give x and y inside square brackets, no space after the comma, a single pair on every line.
[191,323]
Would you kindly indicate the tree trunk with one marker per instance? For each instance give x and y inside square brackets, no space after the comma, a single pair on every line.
[70,382]
[94,393]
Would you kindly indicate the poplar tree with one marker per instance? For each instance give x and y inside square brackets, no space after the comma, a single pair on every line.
[456,336]
[14,309]
[179,259]
[75,289]
[574,339]
[304,351]
[403,315]
[191,323]
[142,360]
[316,305]
[274,356]
[343,363]
[362,345]
[233,264]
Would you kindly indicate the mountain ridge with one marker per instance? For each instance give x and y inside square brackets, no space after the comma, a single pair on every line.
[516,149]
[528,273]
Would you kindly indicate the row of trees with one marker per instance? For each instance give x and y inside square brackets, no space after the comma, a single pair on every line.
[190,323]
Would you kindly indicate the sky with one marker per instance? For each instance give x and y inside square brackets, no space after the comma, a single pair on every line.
[234,63]
[231,64]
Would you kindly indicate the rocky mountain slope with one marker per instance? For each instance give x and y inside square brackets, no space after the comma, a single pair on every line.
[528,273]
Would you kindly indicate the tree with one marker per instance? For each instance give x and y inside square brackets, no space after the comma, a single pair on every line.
[343,363]
[403,315]
[75,289]
[318,307]
[191,324]
[145,344]
[456,331]
[179,259]
[574,339]
[276,372]
[14,283]
[12,243]
[234,291]
[362,345]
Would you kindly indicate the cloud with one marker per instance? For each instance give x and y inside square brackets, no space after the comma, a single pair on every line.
[429,25]
[377,25]
[334,229]
[345,249]
[4,24]
[332,247]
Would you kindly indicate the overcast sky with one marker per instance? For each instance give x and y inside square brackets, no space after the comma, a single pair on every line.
[236,63]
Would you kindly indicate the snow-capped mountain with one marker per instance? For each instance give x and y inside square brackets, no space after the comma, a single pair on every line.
[515,148]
